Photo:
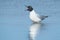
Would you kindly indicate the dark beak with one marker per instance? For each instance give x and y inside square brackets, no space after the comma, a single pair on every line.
[26,7]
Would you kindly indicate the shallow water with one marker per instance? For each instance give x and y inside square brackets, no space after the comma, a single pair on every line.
[15,23]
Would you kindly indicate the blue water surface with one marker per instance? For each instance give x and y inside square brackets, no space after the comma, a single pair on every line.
[15,22]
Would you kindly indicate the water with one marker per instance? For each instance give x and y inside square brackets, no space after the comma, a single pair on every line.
[15,23]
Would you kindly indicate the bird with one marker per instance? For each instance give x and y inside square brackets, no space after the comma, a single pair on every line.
[35,17]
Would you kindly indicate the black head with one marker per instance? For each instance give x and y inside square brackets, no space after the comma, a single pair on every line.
[29,8]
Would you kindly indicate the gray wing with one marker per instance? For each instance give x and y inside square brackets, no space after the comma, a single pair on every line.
[43,17]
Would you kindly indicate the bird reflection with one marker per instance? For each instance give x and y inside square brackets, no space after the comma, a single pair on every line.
[34,30]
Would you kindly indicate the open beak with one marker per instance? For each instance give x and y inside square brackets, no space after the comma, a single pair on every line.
[26,7]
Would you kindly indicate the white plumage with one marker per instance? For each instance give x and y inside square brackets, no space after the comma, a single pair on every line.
[34,17]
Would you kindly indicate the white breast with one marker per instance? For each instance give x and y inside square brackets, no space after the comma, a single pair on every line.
[34,17]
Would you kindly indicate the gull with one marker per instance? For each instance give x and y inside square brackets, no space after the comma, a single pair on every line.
[35,17]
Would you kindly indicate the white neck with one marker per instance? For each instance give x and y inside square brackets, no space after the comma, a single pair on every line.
[32,11]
